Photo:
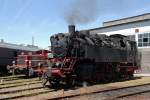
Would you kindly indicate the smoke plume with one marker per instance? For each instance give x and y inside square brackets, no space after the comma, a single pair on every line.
[82,12]
[86,11]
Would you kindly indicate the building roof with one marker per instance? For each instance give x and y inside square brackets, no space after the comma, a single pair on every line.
[19,47]
[128,20]
[123,25]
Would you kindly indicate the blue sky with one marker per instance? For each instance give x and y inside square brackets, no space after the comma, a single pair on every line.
[22,19]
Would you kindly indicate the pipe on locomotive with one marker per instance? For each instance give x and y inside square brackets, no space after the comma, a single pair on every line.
[71,29]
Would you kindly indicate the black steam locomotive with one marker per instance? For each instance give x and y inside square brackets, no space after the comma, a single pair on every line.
[79,56]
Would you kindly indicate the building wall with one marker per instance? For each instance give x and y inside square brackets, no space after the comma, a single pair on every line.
[145,60]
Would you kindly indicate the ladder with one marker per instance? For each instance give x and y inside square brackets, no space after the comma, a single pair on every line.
[68,63]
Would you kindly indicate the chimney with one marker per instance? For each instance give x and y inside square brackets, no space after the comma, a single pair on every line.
[71,29]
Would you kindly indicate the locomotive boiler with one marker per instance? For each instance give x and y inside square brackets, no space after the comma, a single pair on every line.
[79,56]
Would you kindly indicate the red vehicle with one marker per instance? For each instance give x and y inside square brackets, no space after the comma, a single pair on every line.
[30,64]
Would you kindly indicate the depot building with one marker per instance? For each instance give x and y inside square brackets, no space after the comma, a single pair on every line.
[137,28]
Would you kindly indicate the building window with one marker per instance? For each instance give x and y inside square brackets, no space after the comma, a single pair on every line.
[140,36]
[144,40]
[145,35]
[140,44]
[139,40]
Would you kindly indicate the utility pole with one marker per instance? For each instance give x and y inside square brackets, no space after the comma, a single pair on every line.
[32,40]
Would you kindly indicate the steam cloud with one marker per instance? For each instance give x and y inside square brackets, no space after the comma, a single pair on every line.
[86,11]
[82,12]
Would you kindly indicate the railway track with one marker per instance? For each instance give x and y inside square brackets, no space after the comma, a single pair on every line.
[24,93]
[78,93]
[18,84]
[10,78]
[20,88]
[20,80]
[12,87]
[31,89]
[111,94]
[13,76]
[17,81]
[141,96]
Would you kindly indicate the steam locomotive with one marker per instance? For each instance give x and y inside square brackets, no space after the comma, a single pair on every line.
[79,57]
